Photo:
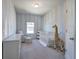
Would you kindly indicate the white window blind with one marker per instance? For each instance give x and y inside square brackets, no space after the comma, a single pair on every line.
[30,27]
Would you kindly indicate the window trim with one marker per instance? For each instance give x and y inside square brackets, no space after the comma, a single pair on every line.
[28,23]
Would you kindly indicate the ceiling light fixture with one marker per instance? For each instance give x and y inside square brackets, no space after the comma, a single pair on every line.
[35,3]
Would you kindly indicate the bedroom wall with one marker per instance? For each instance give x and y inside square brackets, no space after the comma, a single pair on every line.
[55,16]
[60,18]
[49,21]
[8,18]
[22,18]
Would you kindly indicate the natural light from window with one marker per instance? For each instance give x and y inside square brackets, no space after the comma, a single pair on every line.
[30,27]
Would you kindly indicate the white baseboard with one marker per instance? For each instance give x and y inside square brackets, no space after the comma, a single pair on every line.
[44,44]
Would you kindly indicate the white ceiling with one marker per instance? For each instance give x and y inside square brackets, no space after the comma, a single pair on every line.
[44,7]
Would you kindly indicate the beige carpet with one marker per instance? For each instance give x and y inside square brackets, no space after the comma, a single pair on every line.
[37,51]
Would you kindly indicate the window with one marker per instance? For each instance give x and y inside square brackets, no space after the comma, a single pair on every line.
[30,27]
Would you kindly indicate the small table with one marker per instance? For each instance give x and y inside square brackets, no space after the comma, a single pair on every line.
[27,39]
